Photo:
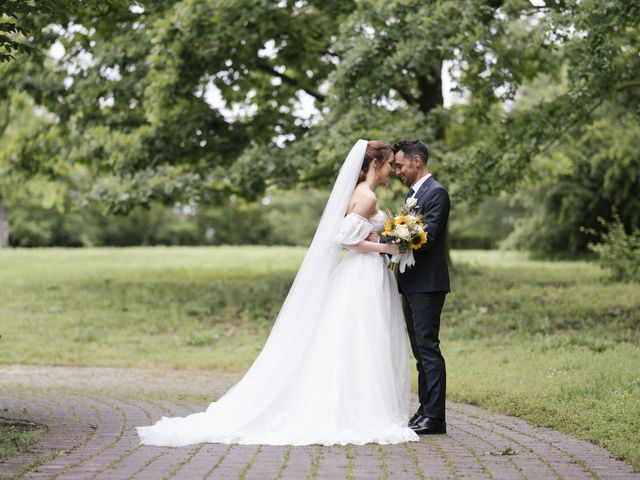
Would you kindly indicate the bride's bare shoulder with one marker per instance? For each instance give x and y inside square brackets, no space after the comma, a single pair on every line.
[363,201]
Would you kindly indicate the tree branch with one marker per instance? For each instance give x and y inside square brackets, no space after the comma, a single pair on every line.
[333,54]
[265,67]
[569,125]
[630,84]
[407,96]
[7,116]
[430,88]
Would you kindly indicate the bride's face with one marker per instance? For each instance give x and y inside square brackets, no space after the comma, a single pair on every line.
[385,170]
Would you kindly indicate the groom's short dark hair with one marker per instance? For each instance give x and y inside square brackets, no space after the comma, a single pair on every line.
[411,147]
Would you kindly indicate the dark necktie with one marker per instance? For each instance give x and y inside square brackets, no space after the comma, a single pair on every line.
[410,194]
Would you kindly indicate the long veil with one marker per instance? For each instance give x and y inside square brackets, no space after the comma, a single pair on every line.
[311,282]
[267,390]
[301,311]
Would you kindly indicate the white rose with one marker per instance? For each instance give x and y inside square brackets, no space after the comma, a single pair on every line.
[411,202]
[403,232]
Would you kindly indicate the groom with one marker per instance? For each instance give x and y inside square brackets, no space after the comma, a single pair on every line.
[425,284]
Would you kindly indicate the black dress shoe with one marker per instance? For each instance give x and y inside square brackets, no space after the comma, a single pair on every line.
[416,416]
[428,426]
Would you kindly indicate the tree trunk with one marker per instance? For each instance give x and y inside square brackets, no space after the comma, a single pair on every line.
[430,93]
[4,213]
[4,224]
[430,97]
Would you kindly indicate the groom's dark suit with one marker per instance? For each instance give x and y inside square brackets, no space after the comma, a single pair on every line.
[424,287]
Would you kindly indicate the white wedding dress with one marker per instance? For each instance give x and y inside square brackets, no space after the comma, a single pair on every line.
[335,369]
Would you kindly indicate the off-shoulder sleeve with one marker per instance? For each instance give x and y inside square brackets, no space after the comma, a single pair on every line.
[353,230]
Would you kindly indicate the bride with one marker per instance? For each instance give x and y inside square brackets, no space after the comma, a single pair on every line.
[335,368]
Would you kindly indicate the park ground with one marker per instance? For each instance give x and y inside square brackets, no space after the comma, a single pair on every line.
[554,343]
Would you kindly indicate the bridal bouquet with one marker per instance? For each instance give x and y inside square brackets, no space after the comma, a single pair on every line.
[408,231]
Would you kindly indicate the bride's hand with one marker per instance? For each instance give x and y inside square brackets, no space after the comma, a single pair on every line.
[393,249]
[373,237]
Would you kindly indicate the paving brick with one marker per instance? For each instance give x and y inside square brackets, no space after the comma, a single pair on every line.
[91,436]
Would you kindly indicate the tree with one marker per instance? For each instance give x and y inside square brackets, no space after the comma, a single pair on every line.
[4,224]
[596,42]
[591,175]
[392,48]
[13,36]
[19,36]
[4,213]
[132,93]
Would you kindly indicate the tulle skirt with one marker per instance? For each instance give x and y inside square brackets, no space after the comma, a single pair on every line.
[347,381]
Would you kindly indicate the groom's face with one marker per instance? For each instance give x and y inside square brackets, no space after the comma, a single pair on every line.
[406,168]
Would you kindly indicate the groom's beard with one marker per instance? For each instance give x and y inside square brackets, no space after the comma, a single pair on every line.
[404,181]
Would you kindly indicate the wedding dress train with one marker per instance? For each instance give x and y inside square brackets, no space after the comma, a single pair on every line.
[336,372]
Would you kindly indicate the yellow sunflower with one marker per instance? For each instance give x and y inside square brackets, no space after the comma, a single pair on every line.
[418,240]
[402,220]
[388,227]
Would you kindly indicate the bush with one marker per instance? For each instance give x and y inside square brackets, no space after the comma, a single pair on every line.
[618,250]
[484,227]
[584,177]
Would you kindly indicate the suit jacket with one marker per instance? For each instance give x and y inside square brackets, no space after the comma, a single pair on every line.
[430,272]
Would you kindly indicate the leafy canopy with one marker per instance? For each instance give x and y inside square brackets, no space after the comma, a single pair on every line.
[176,100]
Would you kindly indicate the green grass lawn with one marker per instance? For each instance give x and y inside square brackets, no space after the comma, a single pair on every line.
[16,436]
[553,342]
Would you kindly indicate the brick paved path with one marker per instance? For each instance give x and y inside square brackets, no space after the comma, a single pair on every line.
[91,412]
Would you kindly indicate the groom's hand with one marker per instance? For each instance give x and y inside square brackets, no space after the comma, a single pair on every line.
[373,237]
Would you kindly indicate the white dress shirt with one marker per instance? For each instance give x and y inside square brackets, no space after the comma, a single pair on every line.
[416,186]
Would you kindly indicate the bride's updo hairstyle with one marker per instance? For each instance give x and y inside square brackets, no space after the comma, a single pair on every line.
[376,150]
